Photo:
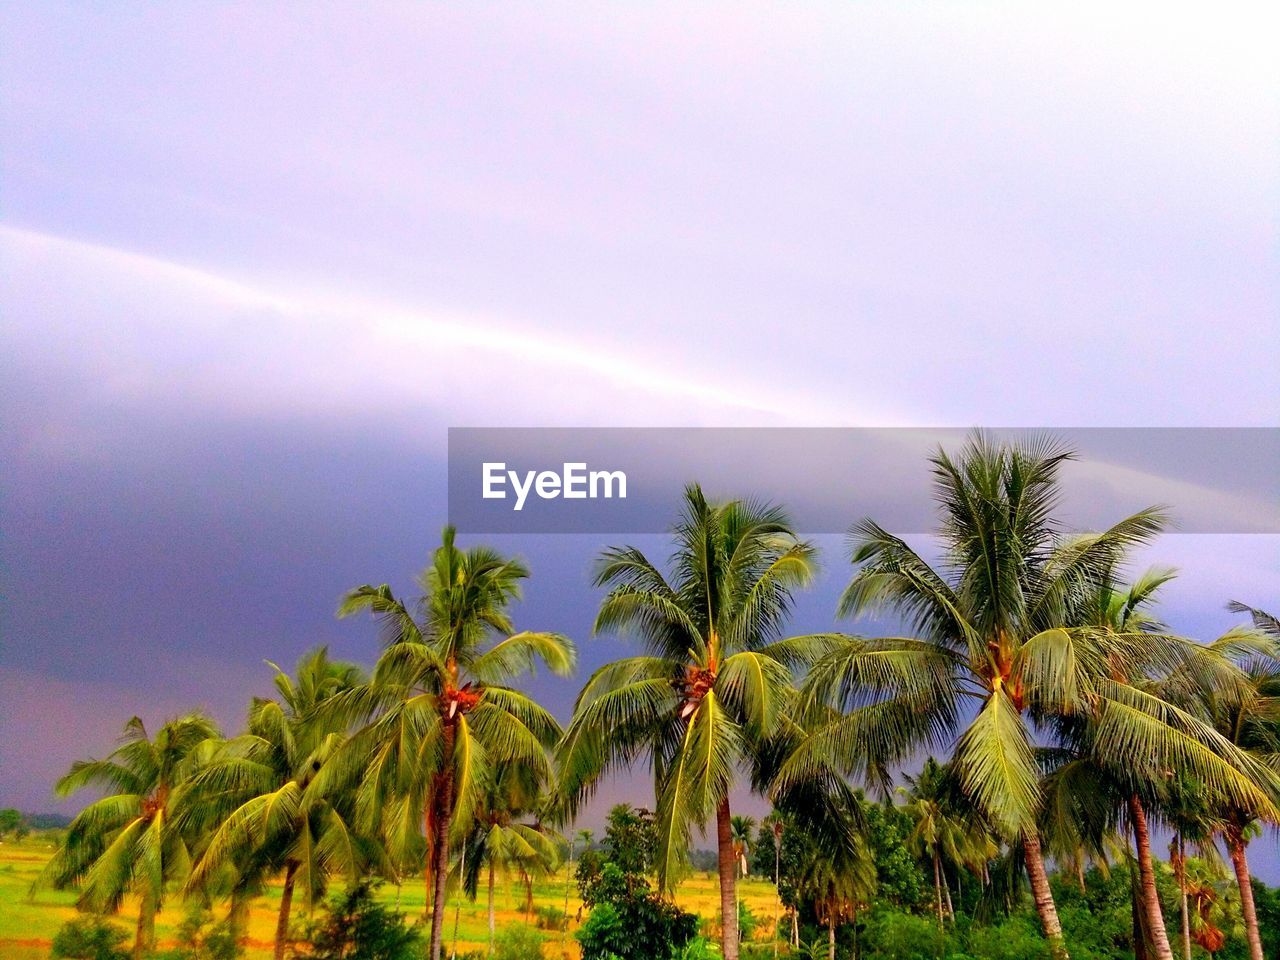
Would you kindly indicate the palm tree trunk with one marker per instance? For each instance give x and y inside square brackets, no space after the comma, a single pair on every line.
[1141,938]
[145,936]
[286,904]
[937,888]
[728,865]
[777,887]
[1235,846]
[1147,882]
[946,893]
[440,860]
[568,877]
[1043,896]
[491,923]
[1182,895]
[831,937]
[457,903]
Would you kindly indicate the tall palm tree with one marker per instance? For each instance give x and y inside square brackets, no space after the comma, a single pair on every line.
[715,681]
[128,842]
[438,718]
[997,624]
[255,800]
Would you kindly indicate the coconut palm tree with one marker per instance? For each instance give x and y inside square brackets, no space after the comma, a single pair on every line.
[128,842]
[507,837]
[714,684]
[1207,675]
[838,882]
[942,833]
[998,624]
[1188,815]
[773,826]
[256,803]
[742,830]
[438,719]
[1250,720]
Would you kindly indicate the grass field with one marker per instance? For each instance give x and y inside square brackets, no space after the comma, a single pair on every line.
[27,924]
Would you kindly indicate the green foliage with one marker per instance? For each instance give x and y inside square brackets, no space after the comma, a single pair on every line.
[631,839]
[628,921]
[517,941]
[901,880]
[90,938]
[13,822]
[358,927]
[895,935]
[549,917]
[1017,938]
[699,948]
[747,921]
[604,936]
[200,937]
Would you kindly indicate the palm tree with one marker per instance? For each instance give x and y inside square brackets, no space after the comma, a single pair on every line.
[742,829]
[585,837]
[1251,722]
[128,842]
[998,623]
[1187,814]
[942,834]
[838,881]
[438,718]
[503,837]
[256,800]
[773,827]
[714,684]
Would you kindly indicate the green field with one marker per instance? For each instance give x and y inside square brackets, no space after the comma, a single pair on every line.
[27,924]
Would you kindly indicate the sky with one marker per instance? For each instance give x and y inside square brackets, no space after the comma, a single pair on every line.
[256,260]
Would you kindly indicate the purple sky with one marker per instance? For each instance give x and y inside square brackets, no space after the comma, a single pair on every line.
[257,259]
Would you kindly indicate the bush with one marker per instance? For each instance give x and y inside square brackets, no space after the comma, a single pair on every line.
[604,935]
[699,948]
[90,938]
[200,937]
[1014,939]
[895,935]
[549,918]
[518,942]
[357,927]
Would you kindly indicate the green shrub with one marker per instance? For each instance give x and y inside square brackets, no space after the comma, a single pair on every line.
[699,948]
[896,935]
[357,927]
[200,937]
[1018,938]
[517,942]
[90,938]
[548,917]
